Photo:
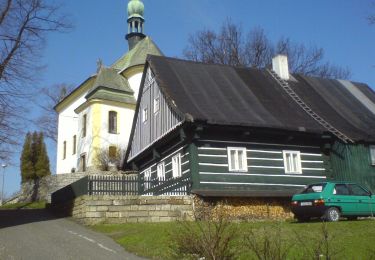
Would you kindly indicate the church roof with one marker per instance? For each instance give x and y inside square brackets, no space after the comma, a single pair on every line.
[224,95]
[137,55]
[109,85]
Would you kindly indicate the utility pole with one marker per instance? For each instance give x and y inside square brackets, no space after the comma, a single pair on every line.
[2,184]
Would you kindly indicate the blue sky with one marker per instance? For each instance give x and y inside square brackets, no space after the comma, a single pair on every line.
[340,27]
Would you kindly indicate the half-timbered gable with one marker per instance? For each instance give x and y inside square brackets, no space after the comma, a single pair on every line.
[155,117]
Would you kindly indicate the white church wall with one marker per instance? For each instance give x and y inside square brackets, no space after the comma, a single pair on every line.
[124,124]
[135,82]
[67,128]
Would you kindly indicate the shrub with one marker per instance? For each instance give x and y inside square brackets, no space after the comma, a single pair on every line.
[211,239]
[107,158]
[268,244]
[322,247]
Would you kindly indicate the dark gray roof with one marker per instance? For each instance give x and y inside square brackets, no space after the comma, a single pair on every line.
[227,95]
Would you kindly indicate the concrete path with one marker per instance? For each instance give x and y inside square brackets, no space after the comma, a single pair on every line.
[36,234]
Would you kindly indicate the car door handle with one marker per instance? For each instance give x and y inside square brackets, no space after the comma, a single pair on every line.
[360,201]
[338,200]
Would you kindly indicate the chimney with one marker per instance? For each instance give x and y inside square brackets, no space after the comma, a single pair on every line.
[280,66]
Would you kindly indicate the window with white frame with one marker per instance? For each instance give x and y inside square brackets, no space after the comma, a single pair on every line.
[292,162]
[176,165]
[147,173]
[156,105]
[147,178]
[161,171]
[237,159]
[372,154]
[145,114]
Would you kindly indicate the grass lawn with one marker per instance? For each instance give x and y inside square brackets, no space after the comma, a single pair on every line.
[25,205]
[353,239]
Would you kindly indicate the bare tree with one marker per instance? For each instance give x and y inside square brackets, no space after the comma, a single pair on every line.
[258,49]
[47,121]
[309,61]
[229,46]
[24,26]
[371,17]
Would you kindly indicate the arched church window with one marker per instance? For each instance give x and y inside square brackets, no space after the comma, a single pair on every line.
[112,122]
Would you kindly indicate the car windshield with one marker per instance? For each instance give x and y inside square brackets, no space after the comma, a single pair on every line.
[314,188]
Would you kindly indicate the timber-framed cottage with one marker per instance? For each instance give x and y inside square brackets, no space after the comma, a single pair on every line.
[250,132]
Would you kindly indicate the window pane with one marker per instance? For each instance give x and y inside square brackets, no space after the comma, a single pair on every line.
[314,188]
[357,190]
[292,162]
[64,151]
[287,163]
[341,189]
[145,114]
[84,125]
[74,144]
[176,165]
[295,162]
[112,122]
[160,170]
[240,160]
[233,159]
[112,153]
[372,154]
[156,105]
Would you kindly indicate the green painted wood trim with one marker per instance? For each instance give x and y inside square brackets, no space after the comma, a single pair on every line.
[351,162]
[194,169]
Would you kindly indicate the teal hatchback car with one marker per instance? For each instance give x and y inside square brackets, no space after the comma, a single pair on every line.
[332,200]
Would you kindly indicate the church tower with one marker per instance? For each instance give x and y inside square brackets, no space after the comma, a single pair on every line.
[96,118]
[135,23]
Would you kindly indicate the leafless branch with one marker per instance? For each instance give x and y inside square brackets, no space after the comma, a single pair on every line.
[24,26]
[47,121]
[230,47]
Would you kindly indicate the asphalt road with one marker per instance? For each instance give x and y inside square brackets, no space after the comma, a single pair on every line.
[36,234]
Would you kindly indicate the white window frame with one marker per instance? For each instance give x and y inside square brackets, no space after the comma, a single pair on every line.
[287,162]
[176,165]
[236,166]
[160,169]
[372,154]
[144,114]
[156,105]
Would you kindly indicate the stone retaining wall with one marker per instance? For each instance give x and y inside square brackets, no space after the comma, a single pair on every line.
[92,210]
[43,188]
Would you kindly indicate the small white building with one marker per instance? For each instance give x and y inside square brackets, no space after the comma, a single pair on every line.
[97,116]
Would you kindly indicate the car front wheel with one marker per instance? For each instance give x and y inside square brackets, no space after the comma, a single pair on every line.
[332,214]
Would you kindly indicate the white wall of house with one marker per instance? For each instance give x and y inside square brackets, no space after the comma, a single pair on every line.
[124,124]
[97,136]
[67,128]
[135,82]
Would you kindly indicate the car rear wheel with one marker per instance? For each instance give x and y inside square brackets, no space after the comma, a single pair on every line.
[332,214]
